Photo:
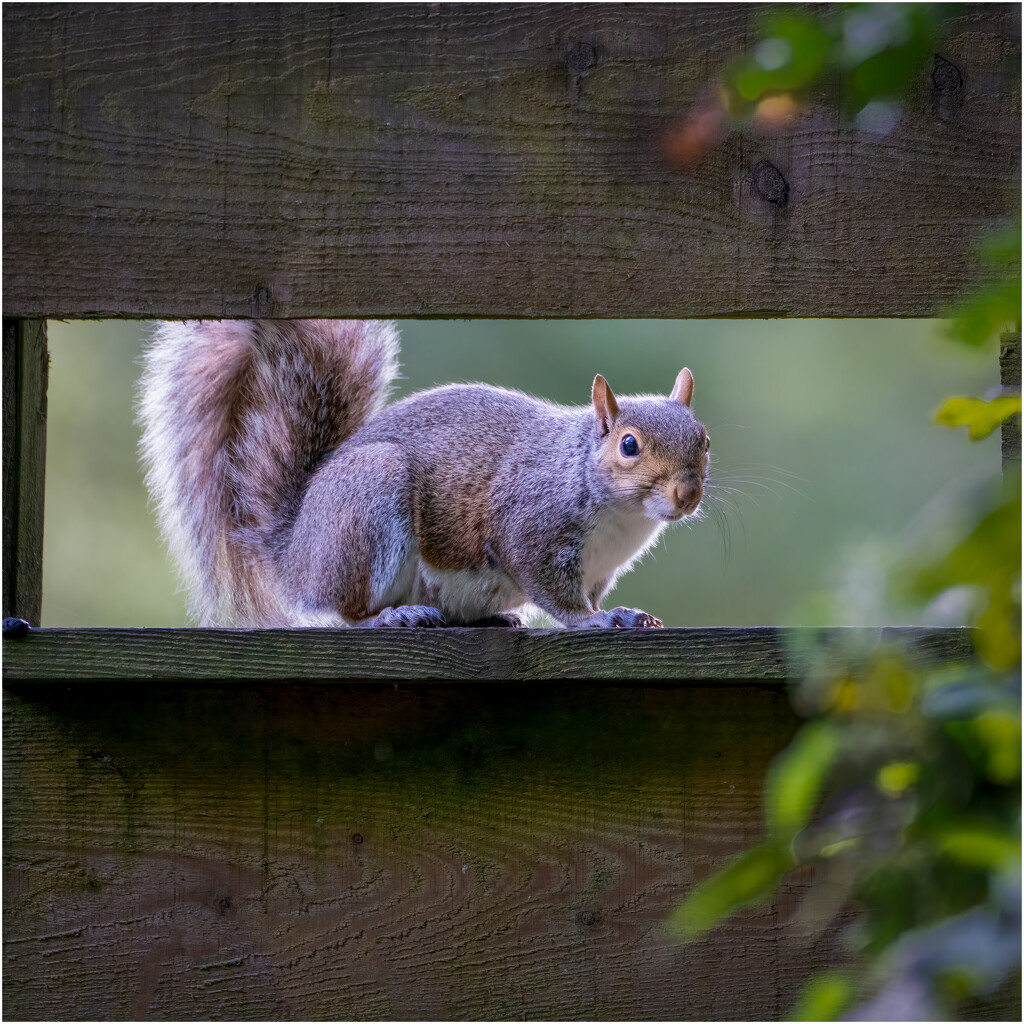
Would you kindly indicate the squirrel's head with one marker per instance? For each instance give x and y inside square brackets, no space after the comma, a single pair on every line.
[652,452]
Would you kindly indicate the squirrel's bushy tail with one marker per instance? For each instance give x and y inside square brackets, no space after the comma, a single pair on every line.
[236,416]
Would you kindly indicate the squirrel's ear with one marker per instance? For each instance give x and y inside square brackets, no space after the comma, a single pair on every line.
[683,390]
[604,403]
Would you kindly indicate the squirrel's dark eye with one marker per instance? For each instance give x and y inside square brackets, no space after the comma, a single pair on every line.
[629,446]
[707,442]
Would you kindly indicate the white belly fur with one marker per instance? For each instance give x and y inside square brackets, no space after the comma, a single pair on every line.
[464,596]
[469,594]
[616,542]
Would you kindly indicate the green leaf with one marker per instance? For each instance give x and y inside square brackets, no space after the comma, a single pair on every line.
[980,847]
[825,997]
[904,36]
[1002,247]
[987,313]
[982,558]
[796,777]
[749,878]
[808,45]
[1000,733]
[980,417]
[896,777]
[997,638]
[996,306]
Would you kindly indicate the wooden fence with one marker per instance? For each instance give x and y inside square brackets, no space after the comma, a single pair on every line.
[465,823]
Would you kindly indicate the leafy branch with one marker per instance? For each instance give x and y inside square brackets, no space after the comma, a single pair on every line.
[903,789]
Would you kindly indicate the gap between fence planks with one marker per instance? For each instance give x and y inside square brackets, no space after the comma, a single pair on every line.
[663,656]
[475,160]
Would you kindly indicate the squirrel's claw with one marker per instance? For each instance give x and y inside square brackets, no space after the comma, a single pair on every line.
[645,621]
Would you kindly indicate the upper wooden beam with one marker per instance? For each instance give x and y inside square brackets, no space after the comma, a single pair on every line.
[238,160]
[385,655]
[25,371]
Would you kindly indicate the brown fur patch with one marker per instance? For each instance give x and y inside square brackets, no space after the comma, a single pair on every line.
[452,524]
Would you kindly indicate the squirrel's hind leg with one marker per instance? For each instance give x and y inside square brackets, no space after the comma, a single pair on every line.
[352,549]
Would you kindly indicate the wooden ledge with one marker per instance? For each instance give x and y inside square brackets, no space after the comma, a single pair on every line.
[765,654]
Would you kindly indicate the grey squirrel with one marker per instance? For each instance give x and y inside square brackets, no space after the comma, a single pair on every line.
[291,495]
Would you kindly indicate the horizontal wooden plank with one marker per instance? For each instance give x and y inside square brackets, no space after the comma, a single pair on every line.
[353,853]
[234,160]
[663,655]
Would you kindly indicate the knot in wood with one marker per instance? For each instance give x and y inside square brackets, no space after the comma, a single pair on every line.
[357,837]
[946,76]
[769,183]
[261,301]
[580,59]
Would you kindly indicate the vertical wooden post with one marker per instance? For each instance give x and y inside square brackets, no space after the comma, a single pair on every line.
[1009,377]
[25,371]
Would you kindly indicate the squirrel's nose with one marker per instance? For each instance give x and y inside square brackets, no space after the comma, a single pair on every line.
[686,494]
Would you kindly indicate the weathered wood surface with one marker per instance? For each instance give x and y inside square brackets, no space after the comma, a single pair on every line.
[25,370]
[353,853]
[473,159]
[643,656]
[1009,376]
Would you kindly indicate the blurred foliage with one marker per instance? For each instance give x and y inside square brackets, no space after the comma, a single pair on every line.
[870,53]
[980,417]
[903,789]
[997,304]
[874,50]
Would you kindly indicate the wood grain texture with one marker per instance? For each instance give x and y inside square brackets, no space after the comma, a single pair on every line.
[25,371]
[355,853]
[643,656]
[234,160]
[1009,377]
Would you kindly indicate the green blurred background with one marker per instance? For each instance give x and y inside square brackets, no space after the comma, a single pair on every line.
[823,428]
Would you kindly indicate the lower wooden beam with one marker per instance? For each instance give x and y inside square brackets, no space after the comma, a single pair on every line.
[25,370]
[388,852]
[644,656]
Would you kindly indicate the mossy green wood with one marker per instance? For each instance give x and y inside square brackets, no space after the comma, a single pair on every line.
[387,852]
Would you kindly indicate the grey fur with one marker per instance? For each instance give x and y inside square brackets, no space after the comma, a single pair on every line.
[291,496]
[236,416]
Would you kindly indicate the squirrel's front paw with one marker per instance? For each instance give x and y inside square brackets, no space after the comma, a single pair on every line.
[407,616]
[623,618]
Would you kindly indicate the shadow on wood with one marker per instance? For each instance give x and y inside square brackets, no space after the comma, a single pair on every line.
[305,852]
